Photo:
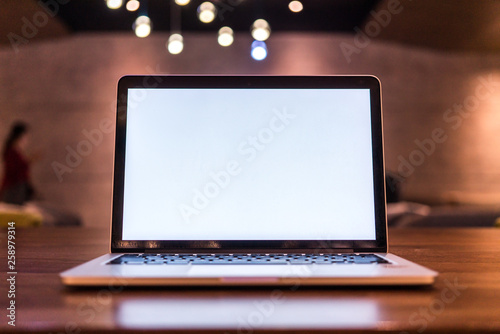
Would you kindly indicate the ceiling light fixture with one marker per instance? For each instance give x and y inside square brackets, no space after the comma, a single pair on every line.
[259,50]
[182,2]
[225,36]
[175,44]
[295,6]
[207,12]
[260,30]
[132,5]
[142,26]
[114,4]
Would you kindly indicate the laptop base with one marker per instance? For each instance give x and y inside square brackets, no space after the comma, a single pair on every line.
[398,272]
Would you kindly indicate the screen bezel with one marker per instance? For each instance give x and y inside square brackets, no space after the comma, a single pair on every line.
[118,245]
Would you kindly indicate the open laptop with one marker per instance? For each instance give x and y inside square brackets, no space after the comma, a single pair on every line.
[249,180]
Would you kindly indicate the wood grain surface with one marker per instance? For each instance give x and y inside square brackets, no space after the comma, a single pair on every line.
[465,298]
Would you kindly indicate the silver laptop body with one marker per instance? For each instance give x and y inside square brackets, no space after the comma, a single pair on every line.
[249,180]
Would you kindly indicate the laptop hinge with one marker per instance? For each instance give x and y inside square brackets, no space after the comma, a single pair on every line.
[248,251]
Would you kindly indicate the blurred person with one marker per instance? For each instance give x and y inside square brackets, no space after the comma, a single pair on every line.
[16,187]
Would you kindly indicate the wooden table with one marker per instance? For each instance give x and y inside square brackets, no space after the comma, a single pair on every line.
[465,298]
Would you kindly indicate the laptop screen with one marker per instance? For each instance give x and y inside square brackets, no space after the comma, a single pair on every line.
[237,163]
[248,164]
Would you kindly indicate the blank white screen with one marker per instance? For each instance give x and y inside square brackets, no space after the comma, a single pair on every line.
[248,164]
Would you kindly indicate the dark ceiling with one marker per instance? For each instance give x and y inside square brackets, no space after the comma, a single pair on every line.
[317,15]
[447,25]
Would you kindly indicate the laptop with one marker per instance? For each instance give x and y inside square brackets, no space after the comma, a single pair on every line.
[248,180]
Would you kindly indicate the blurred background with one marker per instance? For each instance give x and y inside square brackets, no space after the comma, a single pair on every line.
[438,61]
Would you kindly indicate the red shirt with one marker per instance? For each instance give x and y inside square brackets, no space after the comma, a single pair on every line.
[16,169]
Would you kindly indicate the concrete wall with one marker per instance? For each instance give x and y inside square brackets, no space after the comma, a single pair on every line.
[65,88]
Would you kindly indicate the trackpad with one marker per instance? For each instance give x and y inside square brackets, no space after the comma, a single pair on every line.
[248,271]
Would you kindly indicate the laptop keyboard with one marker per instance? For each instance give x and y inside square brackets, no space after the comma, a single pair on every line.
[285,259]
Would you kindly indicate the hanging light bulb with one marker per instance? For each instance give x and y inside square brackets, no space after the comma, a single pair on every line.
[142,26]
[182,2]
[175,44]
[132,5]
[295,6]
[207,12]
[261,30]
[114,4]
[259,50]
[225,36]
